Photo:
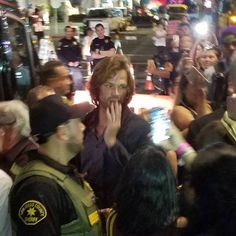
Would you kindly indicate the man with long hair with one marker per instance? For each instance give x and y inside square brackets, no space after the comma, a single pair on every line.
[112,132]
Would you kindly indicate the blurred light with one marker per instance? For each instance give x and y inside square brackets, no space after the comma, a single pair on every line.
[208,4]
[151,5]
[201,28]
[233,19]
[156,17]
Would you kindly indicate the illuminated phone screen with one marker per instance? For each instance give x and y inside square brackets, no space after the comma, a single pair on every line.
[160,123]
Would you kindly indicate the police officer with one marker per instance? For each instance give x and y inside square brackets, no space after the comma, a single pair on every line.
[48,196]
[102,46]
[69,52]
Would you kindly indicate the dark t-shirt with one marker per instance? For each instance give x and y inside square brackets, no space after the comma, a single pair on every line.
[69,50]
[39,205]
[104,44]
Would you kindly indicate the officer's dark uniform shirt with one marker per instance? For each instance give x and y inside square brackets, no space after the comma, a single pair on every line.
[69,50]
[104,44]
[44,199]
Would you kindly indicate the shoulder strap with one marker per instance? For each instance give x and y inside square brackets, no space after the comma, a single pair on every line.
[110,223]
[36,167]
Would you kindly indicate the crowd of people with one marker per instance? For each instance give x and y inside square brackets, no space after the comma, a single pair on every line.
[82,169]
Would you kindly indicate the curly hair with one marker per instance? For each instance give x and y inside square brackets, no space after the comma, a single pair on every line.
[146,193]
[105,70]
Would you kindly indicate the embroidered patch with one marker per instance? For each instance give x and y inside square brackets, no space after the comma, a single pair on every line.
[32,212]
[93,217]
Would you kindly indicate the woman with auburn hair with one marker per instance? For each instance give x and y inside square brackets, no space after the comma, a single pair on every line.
[191,101]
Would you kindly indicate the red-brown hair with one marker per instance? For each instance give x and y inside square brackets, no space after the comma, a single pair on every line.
[105,70]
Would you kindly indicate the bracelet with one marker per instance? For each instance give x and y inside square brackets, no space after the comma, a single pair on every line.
[182,148]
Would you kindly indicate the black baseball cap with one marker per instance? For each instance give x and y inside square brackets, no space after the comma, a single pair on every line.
[49,113]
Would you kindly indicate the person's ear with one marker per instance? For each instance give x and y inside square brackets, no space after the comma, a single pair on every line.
[11,137]
[61,133]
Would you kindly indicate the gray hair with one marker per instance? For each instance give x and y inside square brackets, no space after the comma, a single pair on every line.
[21,112]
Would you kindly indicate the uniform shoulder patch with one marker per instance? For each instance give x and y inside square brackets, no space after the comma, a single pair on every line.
[32,212]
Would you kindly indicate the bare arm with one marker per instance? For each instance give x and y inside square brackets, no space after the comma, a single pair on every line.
[168,68]
[108,53]
[181,117]
[203,106]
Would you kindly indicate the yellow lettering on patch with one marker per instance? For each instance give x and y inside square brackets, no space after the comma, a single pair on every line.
[93,218]
[32,212]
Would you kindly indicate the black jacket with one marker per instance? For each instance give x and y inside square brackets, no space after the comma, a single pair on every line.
[104,166]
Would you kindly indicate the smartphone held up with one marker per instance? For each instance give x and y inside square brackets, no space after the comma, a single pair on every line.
[159,120]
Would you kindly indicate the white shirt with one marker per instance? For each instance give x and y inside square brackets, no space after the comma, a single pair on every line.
[5,186]
[86,46]
[159,37]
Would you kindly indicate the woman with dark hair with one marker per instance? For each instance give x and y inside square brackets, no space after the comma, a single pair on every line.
[213,184]
[191,101]
[146,201]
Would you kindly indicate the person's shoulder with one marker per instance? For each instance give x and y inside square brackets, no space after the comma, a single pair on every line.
[198,124]
[35,199]
[5,180]
[90,118]
[180,110]
[4,175]
[36,189]
[36,183]
[182,116]
[132,120]
[61,42]
[107,37]
[95,39]
[206,119]
[74,40]
[62,39]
